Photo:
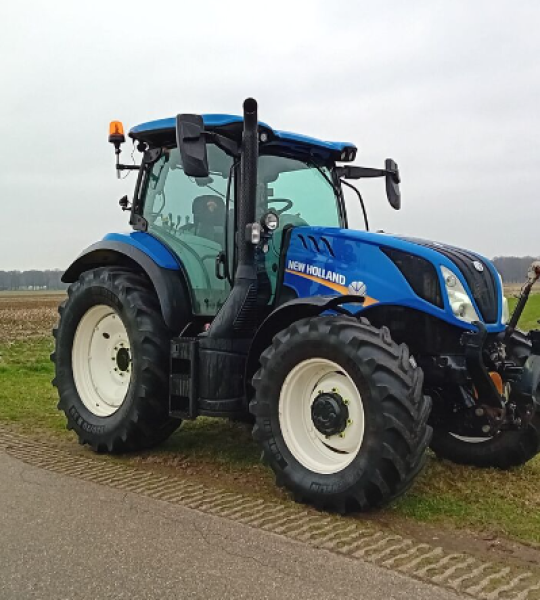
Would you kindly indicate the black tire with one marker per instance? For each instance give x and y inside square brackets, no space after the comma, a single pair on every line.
[506,450]
[143,420]
[396,411]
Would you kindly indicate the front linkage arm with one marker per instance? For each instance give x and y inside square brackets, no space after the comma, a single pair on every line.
[494,406]
[474,342]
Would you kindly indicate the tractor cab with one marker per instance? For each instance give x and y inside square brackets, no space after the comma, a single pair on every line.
[196,214]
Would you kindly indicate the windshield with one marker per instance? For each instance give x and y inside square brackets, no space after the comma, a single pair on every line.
[302,193]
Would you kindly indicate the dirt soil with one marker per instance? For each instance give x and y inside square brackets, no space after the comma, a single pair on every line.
[27,315]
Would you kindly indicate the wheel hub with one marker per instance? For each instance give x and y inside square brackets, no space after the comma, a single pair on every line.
[329,413]
[123,359]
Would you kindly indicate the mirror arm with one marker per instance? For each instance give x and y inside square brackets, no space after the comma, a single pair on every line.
[353,172]
[128,167]
[226,144]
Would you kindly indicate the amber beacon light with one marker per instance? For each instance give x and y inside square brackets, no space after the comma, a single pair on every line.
[116,133]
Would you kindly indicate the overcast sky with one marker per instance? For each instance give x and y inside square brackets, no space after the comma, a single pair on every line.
[450,90]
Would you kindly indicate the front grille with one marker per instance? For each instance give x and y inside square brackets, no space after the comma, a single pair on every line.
[481,283]
[419,273]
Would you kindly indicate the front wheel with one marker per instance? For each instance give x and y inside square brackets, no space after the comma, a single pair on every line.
[111,360]
[505,450]
[340,414]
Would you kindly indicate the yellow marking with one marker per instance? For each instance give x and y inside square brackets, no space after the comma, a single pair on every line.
[342,289]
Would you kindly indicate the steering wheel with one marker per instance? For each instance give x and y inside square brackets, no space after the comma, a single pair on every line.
[288,204]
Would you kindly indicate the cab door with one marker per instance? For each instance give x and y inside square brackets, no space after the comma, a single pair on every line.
[189,215]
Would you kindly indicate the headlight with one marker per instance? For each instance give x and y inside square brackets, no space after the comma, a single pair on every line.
[505,317]
[460,302]
[505,311]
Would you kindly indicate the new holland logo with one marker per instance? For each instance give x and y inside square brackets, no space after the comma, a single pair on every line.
[357,288]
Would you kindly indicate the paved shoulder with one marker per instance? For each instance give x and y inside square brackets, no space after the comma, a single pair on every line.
[66,538]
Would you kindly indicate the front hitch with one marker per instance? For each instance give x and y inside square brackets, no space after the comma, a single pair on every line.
[492,410]
[489,395]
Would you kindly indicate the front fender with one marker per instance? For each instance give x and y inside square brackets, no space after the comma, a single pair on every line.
[286,314]
[170,285]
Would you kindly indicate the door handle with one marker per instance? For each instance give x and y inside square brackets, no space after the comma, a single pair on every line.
[220,265]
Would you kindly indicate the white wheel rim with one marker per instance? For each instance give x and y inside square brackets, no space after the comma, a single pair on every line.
[101,360]
[315,451]
[470,440]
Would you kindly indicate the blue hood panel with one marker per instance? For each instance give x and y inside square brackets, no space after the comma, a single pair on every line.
[347,261]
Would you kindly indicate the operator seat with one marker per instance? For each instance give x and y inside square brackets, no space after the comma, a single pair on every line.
[209,217]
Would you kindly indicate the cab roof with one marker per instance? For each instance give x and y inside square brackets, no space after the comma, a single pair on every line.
[162,131]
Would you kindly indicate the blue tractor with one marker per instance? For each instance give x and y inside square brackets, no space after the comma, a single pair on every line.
[242,293]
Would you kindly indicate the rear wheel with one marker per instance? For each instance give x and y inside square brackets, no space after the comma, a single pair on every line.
[340,414]
[111,360]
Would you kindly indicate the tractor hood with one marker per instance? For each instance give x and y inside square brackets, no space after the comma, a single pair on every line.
[394,269]
[479,273]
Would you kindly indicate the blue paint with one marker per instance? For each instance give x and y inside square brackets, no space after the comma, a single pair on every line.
[148,244]
[358,257]
[210,121]
[296,138]
[214,121]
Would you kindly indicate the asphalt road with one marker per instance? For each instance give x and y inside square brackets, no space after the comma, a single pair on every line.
[62,538]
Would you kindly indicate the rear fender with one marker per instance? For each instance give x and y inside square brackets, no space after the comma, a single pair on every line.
[170,285]
[287,314]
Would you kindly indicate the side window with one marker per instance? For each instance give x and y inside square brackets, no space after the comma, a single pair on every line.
[189,215]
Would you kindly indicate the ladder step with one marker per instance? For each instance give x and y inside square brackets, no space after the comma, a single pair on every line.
[183,384]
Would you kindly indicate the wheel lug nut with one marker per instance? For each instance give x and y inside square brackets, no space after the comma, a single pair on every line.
[342,434]
[349,421]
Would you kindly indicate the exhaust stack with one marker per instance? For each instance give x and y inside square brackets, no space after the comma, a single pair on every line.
[238,316]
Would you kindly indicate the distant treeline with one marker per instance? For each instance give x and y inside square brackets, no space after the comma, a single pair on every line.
[32,280]
[512,268]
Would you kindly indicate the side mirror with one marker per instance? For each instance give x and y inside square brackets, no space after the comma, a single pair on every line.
[392,183]
[192,145]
